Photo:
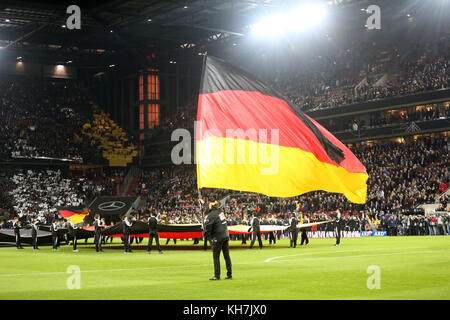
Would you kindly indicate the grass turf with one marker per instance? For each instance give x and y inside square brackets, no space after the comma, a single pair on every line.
[411,268]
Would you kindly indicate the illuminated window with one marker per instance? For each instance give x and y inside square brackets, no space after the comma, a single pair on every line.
[153,115]
[141,87]
[141,117]
[152,87]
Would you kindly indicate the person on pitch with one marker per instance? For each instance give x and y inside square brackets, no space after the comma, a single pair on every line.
[127,224]
[293,230]
[34,230]
[153,232]
[73,230]
[305,239]
[256,233]
[337,227]
[99,224]
[65,225]
[216,231]
[54,230]
[16,227]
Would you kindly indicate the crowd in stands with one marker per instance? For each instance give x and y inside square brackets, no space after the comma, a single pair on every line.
[35,194]
[364,73]
[357,74]
[401,177]
[43,119]
[108,137]
[385,118]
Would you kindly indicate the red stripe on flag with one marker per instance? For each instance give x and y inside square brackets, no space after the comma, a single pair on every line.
[165,235]
[250,110]
[68,213]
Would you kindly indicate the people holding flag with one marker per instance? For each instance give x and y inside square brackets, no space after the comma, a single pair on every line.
[153,232]
[256,233]
[293,230]
[16,227]
[127,224]
[54,230]
[99,225]
[305,239]
[34,230]
[73,230]
[337,227]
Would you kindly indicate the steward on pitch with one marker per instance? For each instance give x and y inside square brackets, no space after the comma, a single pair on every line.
[216,231]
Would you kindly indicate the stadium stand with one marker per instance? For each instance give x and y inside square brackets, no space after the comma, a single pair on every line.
[55,119]
[108,137]
[401,177]
[41,120]
[36,193]
[364,73]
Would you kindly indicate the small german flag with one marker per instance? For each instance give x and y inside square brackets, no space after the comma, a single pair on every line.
[77,214]
[236,115]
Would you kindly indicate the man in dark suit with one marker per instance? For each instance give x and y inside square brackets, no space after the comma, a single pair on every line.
[73,230]
[337,227]
[216,231]
[293,230]
[153,232]
[16,227]
[54,230]
[98,224]
[256,231]
[34,230]
[127,224]
[305,239]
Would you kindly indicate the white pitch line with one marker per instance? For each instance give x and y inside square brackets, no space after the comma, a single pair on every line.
[364,255]
[105,270]
[208,265]
[335,251]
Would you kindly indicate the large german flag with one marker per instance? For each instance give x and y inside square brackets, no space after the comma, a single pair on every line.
[77,214]
[250,138]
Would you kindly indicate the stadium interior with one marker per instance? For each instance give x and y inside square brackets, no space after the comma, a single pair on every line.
[90,112]
[91,93]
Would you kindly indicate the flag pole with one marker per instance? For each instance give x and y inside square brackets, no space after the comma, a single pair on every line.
[197,160]
[201,209]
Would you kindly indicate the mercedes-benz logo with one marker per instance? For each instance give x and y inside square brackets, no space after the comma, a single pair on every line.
[111,205]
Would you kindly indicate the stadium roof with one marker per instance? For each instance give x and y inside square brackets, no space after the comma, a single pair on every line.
[132,29]
[119,25]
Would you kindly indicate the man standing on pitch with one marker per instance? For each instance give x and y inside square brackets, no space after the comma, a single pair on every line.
[73,232]
[337,227]
[305,239]
[54,230]
[216,231]
[153,233]
[293,231]
[34,230]
[255,225]
[127,224]
[16,227]
[98,233]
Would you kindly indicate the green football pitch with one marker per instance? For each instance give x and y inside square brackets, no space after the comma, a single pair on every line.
[364,268]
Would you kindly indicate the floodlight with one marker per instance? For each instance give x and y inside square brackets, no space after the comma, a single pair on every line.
[299,18]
